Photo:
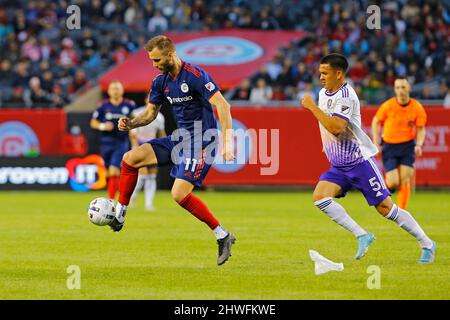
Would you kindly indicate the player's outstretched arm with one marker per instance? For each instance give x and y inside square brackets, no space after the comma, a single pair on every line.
[223,111]
[144,118]
[335,125]
[101,126]
[376,128]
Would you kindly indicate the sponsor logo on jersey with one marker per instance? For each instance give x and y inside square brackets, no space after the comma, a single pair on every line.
[179,99]
[110,116]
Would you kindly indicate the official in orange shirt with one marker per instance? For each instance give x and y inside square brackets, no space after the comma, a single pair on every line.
[404,121]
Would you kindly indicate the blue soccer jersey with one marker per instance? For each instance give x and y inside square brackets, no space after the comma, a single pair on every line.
[106,111]
[189,95]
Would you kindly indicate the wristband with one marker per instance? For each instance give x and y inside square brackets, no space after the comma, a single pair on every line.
[101,127]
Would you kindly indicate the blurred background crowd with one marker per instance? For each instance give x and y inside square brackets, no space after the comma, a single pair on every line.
[43,64]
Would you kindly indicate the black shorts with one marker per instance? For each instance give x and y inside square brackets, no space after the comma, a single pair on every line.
[395,154]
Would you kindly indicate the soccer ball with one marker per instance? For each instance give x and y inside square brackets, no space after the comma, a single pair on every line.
[101,211]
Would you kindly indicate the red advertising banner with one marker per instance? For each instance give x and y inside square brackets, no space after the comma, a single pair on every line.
[283,147]
[31,132]
[228,56]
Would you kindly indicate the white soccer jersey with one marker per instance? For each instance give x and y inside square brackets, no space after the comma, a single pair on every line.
[353,146]
[149,131]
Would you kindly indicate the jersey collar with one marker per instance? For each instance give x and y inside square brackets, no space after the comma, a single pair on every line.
[332,94]
[181,69]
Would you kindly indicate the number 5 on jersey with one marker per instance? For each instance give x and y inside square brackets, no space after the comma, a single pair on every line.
[376,186]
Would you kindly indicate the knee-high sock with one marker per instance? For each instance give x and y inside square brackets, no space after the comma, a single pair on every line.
[403,195]
[113,186]
[199,209]
[149,189]
[404,219]
[128,179]
[338,214]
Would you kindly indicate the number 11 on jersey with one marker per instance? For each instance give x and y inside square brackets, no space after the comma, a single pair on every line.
[188,163]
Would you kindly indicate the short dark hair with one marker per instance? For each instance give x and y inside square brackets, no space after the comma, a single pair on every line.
[401,78]
[336,61]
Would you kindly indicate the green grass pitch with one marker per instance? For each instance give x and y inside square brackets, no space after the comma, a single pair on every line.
[168,254]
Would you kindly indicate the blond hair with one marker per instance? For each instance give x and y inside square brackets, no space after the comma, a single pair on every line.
[163,43]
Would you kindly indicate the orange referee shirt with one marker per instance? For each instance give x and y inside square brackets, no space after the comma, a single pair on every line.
[399,121]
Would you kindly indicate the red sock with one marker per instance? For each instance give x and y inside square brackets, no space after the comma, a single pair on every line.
[128,179]
[196,206]
[113,186]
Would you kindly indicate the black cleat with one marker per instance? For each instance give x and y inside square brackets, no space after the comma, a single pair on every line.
[225,248]
[115,225]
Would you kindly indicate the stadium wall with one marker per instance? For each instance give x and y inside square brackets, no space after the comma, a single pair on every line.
[281,146]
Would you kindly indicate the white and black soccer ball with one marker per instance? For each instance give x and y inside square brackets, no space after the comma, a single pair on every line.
[101,211]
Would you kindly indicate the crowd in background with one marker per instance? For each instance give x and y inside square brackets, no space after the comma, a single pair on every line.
[44,64]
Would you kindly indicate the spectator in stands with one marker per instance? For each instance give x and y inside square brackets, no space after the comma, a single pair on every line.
[302,74]
[31,49]
[285,78]
[131,13]
[47,81]
[21,75]
[274,67]
[16,100]
[5,26]
[262,73]
[119,54]
[20,22]
[79,80]
[278,93]
[265,21]
[358,71]
[57,97]
[68,57]
[39,98]
[50,31]
[443,90]
[447,100]
[87,42]
[243,91]
[6,73]
[413,40]
[158,23]
[46,48]
[262,93]
[199,11]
